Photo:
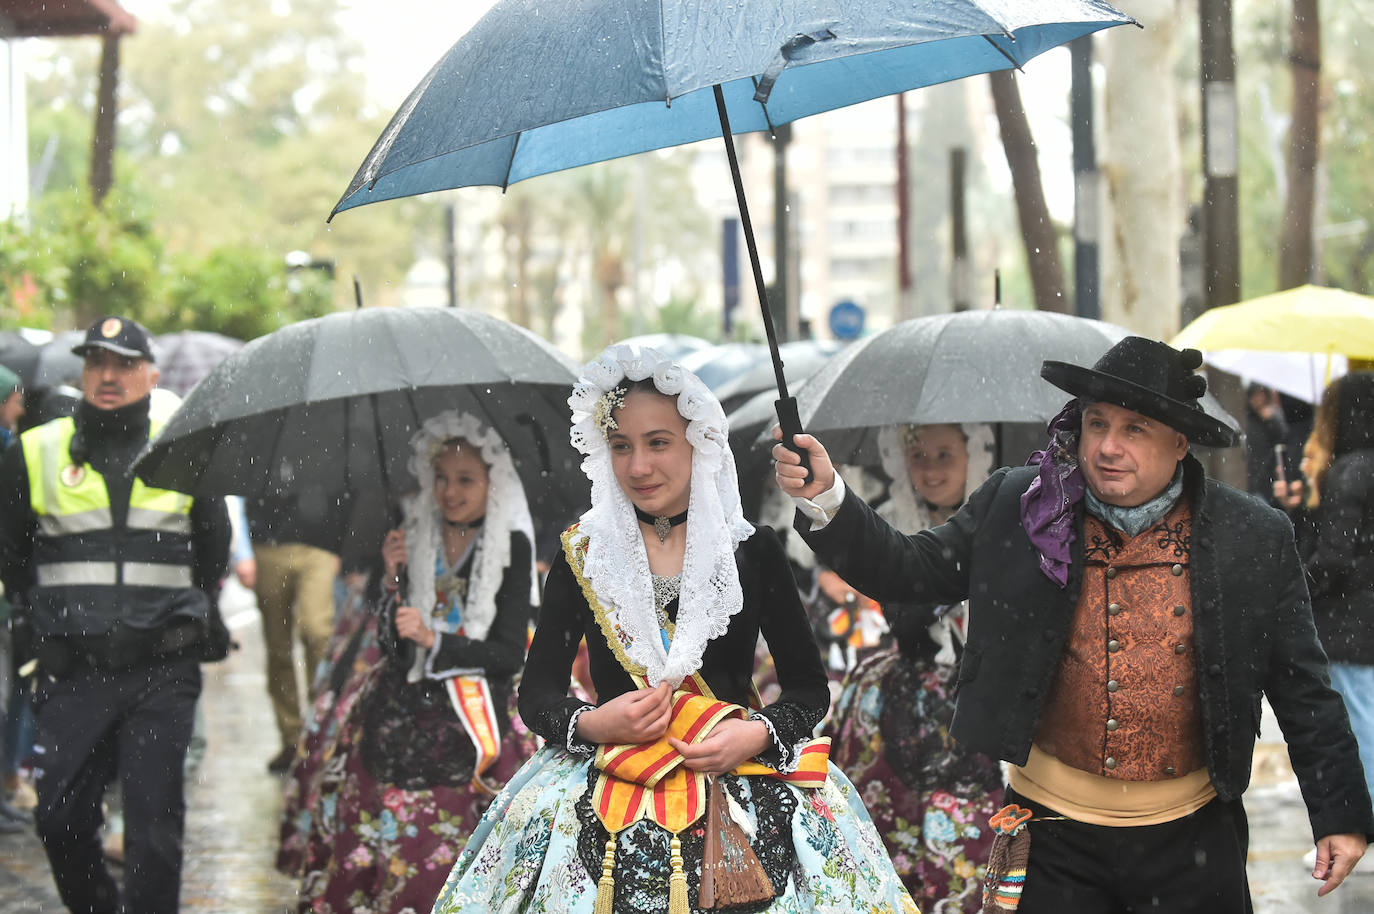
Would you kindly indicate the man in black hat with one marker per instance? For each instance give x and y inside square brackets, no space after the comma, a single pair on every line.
[119,582]
[1126,614]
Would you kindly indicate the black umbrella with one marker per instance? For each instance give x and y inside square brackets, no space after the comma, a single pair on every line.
[334,401]
[41,362]
[972,366]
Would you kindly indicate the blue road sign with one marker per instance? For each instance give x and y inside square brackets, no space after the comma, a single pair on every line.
[846,320]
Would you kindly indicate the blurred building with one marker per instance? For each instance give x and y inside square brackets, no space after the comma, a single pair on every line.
[20,19]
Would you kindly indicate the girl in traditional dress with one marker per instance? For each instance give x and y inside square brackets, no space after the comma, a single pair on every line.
[930,798]
[429,737]
[671,794]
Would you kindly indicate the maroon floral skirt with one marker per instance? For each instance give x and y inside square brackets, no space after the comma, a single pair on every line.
[929,798]
[364,846]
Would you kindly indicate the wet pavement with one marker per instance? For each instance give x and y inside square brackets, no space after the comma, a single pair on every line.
[232,802]
[231,825]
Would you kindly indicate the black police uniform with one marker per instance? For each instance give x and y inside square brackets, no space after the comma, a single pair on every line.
[121,599]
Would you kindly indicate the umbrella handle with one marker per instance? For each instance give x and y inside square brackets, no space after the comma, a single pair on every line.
[789,420]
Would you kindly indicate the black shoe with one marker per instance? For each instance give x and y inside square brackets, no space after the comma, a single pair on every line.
[281,762]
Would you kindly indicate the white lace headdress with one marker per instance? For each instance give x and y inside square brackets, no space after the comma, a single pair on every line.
[904,508]
[507,512]
[617,565]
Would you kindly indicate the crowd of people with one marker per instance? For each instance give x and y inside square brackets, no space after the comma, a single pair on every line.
[662,705]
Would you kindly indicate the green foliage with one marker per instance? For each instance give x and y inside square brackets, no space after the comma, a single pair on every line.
[77,262]
[243,293]
[240,131]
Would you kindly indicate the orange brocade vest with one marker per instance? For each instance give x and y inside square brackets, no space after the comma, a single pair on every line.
[1125,703]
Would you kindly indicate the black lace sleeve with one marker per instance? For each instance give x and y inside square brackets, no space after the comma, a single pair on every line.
[545,705]
[805,696]
[502,652]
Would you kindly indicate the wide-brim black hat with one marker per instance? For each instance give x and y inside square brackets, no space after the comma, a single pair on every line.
[1151,378]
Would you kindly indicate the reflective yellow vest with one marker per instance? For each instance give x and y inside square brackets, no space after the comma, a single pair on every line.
[91,573]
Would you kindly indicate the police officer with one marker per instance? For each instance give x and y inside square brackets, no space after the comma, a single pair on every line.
[119,580]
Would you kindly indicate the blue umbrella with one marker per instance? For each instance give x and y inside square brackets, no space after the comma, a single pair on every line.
[537,87]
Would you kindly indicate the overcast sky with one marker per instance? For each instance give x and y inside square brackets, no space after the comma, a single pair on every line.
[403,38]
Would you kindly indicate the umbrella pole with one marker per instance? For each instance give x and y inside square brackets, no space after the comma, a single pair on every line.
[786,406]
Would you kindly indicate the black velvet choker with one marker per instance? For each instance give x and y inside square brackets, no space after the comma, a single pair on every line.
[662,524]
[465,527]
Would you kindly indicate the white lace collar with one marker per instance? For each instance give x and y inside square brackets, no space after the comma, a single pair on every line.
[617,565]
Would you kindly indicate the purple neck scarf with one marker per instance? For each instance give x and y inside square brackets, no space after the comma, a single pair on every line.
[1047,506]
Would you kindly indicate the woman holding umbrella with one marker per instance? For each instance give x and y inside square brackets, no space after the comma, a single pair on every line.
[931,798]
[670,794]
[429,736]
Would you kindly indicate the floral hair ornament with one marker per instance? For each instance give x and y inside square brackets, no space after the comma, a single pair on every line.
[603,413]
[617,565]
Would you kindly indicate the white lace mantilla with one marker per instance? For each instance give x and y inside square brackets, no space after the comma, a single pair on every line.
[617,565]
[507,512]
[909,513]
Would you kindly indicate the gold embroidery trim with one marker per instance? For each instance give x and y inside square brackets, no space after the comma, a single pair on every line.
[575,550]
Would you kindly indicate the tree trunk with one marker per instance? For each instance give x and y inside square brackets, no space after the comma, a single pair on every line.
[1143,217]
[1037,231]
[103,142]
[1295,239]
[516,225]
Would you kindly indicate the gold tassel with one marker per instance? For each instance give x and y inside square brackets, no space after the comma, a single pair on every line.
[677,882]
[605,887]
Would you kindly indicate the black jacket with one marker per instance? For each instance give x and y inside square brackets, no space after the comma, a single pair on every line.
[1340,548]
[771,607]
[1253,630]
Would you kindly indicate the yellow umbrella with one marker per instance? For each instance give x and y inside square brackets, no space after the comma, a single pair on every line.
[1306,319]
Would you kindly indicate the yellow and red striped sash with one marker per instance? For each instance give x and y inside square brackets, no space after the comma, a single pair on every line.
[649,780]
[472,702]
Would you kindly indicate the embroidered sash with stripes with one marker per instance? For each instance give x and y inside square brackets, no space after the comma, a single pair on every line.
[650,781]
[472,702]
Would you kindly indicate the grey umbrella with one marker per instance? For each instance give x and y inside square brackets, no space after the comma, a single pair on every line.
[972,366]
[803,358]
[184,357]
[334,401]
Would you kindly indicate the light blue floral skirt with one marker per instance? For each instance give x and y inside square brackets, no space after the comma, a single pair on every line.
[538,845]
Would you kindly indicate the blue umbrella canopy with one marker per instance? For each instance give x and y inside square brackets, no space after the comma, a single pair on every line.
[537,87]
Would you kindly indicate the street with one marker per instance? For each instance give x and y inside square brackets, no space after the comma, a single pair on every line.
[231,827]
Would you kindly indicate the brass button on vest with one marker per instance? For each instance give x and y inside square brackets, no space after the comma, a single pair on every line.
[1113,645]
[1170,771]
[1178,690]
[1111,573]
[1176,571]
[1112,724]
[1113,608]
[1180,648]
[1180,610]
[1113,685]
[1109,764]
